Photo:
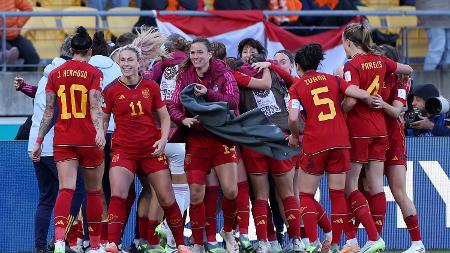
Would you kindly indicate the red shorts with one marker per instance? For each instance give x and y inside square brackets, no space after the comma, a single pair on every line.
[141,165]
[333,161]
[257,163]
[198,162]
[368,149]
[88,157]
[396,154]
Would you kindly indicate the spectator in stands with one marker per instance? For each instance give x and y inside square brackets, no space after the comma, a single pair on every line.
[438,34]
[241,4]
[170,5]
[13,37]
[284,5]
[428,125]
[10,56]
[102,4]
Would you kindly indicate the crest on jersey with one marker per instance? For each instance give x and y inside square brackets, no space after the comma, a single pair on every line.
[146,93]
[115,158]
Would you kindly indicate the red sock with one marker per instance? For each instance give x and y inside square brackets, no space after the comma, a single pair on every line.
[412,223]
[260,218]
[292,214]
[349,230]
[377,204]
[116,221]
[309,215]
[322,219]
[152,238]
[243,207]
[229,213]
[211,197]
[303,232]
[62,211]
[175,221]
[271,233]
[130,201]
[72,236]
[339,214]
[94,210]
[361,211]
[104,234]
[142,227]
[197,215]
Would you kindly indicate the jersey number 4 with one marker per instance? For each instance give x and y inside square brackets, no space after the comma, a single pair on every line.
[62,95]
[374,87]
[323,101]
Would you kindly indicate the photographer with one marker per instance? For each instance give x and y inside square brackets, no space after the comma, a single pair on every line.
[427,117]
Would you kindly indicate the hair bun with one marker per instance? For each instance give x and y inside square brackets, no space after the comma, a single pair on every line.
[81,40]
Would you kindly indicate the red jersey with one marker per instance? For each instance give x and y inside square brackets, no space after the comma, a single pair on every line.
[320,95]
[71,82]
[367,71]
[136,130]
[394,89]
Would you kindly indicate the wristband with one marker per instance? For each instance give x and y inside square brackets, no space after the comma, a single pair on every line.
[39,140]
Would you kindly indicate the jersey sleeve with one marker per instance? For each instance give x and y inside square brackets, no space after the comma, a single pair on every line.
[343,85]
[400,90]
[97,81]
[157,102]
[50,86]
[242,79]
[294,98]
[351,74]
[107,101]
[391,66]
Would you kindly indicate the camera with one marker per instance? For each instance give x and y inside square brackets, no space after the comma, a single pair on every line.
[437,105]
[412,116]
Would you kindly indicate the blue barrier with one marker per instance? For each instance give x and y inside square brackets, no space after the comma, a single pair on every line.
[427,180]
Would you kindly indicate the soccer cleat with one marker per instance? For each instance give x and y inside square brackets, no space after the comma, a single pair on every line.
[184,249]
[215,248]
[111,247]
[326,244]
[373,246]
[230,243]
[297,245]
[416,247]
[275,247]
[263,247]
[245,245]
[350,248]
[198,249]
[313,249]
[60,247]
[162,232]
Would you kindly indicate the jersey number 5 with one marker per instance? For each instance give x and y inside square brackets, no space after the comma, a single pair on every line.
[62,95]
[323,101]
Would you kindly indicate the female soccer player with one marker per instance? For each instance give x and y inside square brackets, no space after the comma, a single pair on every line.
[204,150]
[138,146]
[165,73]
[397,88]
[79,136]
[285,60]
[368,136]
[319,96]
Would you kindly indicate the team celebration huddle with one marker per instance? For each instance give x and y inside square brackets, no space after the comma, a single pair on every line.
[204,133]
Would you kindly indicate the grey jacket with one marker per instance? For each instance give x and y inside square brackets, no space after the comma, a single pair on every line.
[251,129]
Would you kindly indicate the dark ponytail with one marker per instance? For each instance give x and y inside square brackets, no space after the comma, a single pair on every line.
[81,41]
[99,44]
[309,57]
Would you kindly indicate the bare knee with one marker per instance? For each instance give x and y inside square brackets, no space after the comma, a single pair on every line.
[230,192]
[197,193]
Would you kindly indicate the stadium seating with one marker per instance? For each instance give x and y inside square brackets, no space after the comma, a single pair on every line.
[406,26]
[58,4]
[118,25]
[381,4]
[44,33]
[375,20]
[69,23]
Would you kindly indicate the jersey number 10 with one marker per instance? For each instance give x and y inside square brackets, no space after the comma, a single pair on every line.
[62,95]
